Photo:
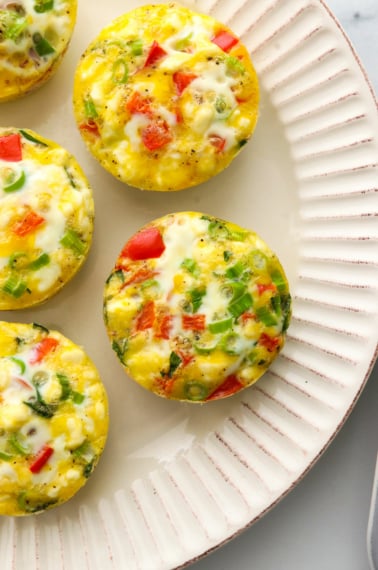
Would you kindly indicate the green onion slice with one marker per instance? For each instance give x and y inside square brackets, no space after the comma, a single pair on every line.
[120,72]
[266,316]
[14,286]
[42,6]
[71,240]
[16,184]
[32,139]
[41,261]
[240,305]
[136,46]
[195,391]
[42,46]
[220,326]
[20,363]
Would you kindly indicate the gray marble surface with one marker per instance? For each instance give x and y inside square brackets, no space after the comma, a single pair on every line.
[322,523]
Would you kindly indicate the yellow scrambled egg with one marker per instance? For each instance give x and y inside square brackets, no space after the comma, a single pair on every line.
[34,35]
[196,308]
[53,418]
[165,98]
[46,218]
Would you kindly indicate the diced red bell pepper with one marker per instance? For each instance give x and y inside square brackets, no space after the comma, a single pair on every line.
[186,357]
[262,287]
[41,459]
[136,103]
[139,276]
[43,348]
[28,224]
[218,142]
[146,244]
[225,40]
[182,79]
[156,52]
[163,326]
[10,148]
[146,318]
[195,322]
[230,386]
[90,126]
[269,342]
[156,135]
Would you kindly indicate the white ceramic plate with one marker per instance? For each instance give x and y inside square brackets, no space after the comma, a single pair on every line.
[177,480]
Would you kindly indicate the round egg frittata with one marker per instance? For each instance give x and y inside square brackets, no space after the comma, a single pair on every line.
[196,308]
[165,97]
[53,418]
[46,218]
[34,36]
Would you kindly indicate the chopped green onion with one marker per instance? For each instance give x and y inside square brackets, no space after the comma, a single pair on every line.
[16,184]
[174,363]
[205,347]
[195,391]
[43,6]
[230,344]
[196,296]
[38,405]
[218,230]
[41,261]
[20,363]
[84,451]
[190,265]
[276,305]
[41,328]
[14,25]
[32,139]
[42,46]
[279,281]
[234,64]
[227,255]
[41,408]
[77,398]
[236,270]
[70,177]
[5,456]
[90,108]
[18,446]
[220,326]
[15,286]
[136,46]
[234,290]
[240,305]
[149,283]
[238,236]
[120,349]
[183,43]
[266,316]
[71,240]
[65,385]
[120,72]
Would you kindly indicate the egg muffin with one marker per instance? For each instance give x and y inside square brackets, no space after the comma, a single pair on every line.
[165,98]
[34,36]
[46,218]
[196,308]
[53,420]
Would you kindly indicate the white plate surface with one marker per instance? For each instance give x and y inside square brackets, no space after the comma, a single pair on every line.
[177,480]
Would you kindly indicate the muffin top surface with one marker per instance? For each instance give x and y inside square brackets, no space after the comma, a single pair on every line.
[34,34]
[196,308]
[53,421]
[165,97]
[46,218]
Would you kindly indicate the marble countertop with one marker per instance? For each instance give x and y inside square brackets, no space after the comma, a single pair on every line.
[322,523]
